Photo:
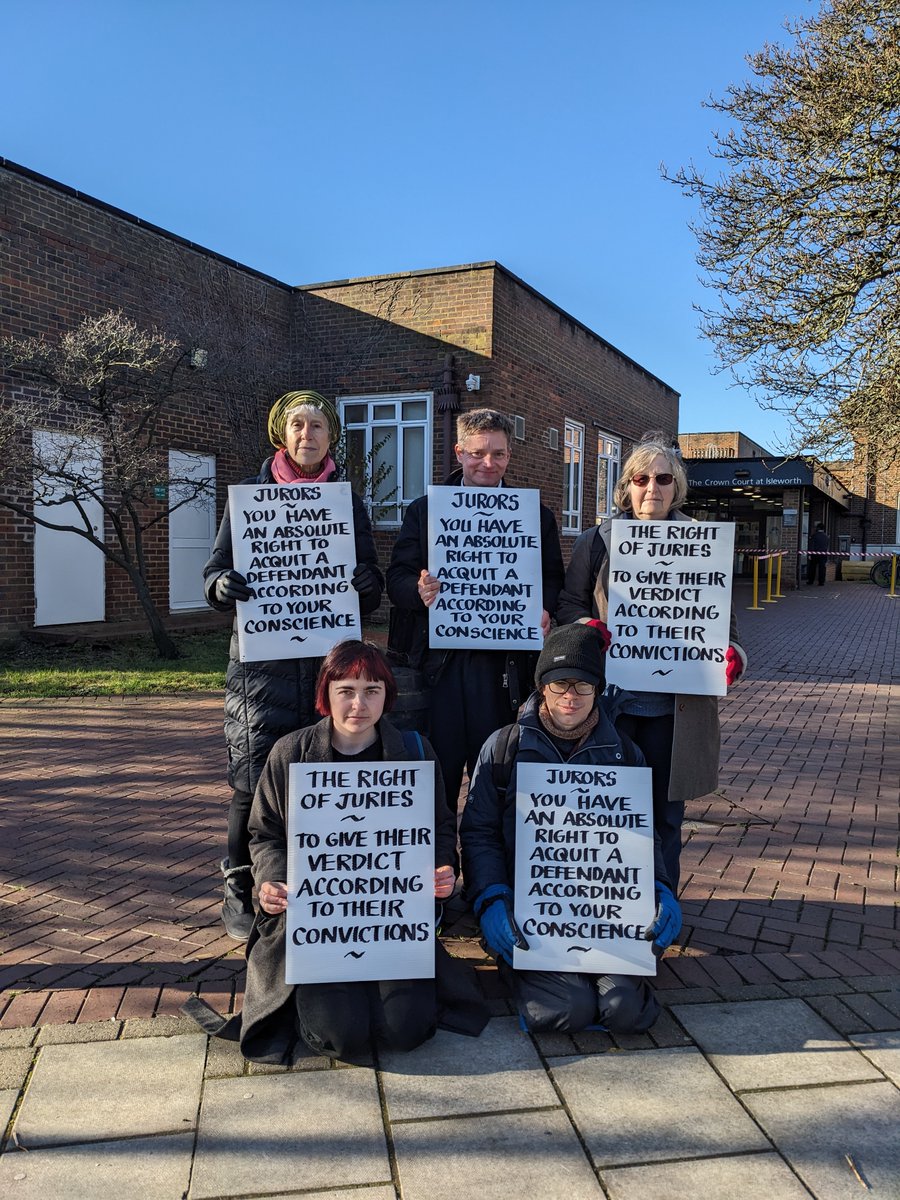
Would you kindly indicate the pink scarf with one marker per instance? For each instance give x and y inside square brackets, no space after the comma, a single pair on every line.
[285,470]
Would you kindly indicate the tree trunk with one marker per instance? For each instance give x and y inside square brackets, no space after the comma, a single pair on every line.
[161,638]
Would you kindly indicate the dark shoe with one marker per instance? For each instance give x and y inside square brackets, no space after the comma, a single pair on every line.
[237,911]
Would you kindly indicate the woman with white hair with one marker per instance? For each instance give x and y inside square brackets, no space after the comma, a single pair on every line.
[678,734]
[266,700]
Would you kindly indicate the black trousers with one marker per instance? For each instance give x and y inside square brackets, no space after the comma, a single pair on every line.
[653,736]
[238,834]
[468,703]
[553,1001]
[344,1020]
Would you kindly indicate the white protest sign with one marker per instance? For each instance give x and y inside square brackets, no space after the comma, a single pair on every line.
[360,872]
[670,605]
[294,544]
[484,545]
[584,868]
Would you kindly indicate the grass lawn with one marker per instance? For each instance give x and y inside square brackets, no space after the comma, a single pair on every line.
[118,668]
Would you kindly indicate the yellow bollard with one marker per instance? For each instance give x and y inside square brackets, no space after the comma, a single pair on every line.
[779,594]
[769,599]
[893,592]
[755,603]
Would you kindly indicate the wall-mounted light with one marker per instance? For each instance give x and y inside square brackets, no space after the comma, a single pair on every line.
[473,383]
[199,359]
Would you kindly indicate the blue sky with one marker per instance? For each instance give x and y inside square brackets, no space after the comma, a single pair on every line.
[321,139]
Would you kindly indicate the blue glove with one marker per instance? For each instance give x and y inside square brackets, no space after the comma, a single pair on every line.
[498,923]
[667,921]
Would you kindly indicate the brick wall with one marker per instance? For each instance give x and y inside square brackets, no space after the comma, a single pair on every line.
[874,519]
[64,256]
[548,367]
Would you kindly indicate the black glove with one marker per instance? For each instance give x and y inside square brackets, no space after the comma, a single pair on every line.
[232,586]
[366,582]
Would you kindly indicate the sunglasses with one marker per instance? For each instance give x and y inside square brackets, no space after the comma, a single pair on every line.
[663,480]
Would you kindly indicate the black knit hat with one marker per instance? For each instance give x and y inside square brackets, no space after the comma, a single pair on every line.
[572,652]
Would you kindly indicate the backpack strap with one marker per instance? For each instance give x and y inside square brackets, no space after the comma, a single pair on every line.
[504,756]
[412,741]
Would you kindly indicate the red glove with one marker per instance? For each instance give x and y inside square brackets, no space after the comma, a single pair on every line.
[605,635]
[734,666]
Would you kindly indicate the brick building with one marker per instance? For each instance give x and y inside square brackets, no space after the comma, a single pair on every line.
[400,353]
[777,502]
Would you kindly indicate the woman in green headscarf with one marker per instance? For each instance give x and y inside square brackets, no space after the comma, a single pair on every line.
[266,700]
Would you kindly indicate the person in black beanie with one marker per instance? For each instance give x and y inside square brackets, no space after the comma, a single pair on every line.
[566,719]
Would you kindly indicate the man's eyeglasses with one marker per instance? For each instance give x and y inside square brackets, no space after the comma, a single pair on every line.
[663,480]
[559,687]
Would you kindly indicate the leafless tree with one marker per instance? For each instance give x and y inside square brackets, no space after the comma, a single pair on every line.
[104,389]
[799,232]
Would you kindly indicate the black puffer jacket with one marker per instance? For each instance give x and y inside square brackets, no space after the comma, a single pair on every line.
[266,700]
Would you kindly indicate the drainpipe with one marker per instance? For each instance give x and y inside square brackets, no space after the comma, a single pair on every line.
[447,402]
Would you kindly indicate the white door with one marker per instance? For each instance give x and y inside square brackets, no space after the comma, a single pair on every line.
[69,573]
[192,529]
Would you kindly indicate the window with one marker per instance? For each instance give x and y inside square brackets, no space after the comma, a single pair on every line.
[387,443]
[574,468]
[609,462]
[897,530]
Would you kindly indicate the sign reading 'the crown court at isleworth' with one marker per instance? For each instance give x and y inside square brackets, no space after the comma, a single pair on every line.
[484,545]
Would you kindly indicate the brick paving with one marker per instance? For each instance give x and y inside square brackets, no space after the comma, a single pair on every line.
[112,819]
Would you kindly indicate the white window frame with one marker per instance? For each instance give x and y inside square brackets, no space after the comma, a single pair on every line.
[374,429]
[897,529]
[573,477]
[609,449]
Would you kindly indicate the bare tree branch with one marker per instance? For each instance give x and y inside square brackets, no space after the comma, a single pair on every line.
[799,232]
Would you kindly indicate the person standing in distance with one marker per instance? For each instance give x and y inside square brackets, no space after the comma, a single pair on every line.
[473,692]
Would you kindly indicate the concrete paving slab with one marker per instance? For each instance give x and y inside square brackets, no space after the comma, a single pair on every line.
[14,1066]
[815,1128]
[98,1091]
[453,1075]
[754,1177]
[224,1059]
[135,1169]
[370,1193]
[8,1098]
[315,1129]
[883,1049]
[494,1157]
[158,1026]
[66,1035]
[653,1104]
[16,1037]
[772,1043]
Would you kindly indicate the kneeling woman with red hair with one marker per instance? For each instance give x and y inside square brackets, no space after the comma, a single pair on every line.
[283,1022]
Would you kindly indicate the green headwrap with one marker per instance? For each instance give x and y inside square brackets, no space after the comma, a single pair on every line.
[282,406]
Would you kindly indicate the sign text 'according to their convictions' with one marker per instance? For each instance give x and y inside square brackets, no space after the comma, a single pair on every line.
[360,872]
[484,545]
[585,886]
[295,547]
[670,605]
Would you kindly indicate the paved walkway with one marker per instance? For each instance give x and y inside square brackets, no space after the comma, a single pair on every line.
[773,1072]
